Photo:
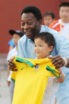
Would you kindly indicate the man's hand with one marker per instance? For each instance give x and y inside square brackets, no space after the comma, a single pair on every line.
[58,61]
[11,65]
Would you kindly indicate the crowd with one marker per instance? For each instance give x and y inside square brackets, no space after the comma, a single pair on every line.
[42,36]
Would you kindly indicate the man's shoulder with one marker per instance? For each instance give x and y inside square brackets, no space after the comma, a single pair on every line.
[47,29]
[23,38]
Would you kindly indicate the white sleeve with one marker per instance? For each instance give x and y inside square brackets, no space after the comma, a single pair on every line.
[9,78]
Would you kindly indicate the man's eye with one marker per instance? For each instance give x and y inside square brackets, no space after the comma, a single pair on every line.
[30,23]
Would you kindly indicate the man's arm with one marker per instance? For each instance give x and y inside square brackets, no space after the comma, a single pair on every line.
[62,50]
[58,61]
[67,63]
[20,49]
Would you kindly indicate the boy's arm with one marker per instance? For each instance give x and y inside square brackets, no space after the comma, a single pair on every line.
[61,78]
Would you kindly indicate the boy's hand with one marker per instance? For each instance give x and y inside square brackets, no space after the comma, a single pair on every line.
[61,78]
[8,83]
[11,65]
[58,61]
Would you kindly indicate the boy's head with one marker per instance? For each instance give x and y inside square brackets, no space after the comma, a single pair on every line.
[16,35]
[48,17]
[17,32]
[64,11]
[44,44]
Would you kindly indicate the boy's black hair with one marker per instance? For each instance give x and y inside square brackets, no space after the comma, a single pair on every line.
[18,32]
[34,10]
[49,14]
[46,37]
[64,4]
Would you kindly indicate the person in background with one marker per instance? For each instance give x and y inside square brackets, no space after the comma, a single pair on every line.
[48,18]
[31,24]
[16,34]
[62,25]
[11,42]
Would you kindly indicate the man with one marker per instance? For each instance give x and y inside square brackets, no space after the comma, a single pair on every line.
[31,20]
[31,24]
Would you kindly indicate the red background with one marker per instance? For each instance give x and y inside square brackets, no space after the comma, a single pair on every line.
[10,16]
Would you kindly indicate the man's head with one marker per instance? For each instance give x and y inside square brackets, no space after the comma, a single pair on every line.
[44,44]
[64,11]
[16,35]
[31,20]
[48,17]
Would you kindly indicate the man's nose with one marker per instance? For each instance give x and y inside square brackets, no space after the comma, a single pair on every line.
[26,26]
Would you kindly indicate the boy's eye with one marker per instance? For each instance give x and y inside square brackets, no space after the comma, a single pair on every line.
[35,46]
[40,45]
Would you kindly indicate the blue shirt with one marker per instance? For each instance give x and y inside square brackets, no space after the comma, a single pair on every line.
[11,43]
[26,46]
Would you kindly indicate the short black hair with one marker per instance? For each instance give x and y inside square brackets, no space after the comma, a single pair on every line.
[46,37]
[18,32]
[49,14]
[34,10]
[64,4]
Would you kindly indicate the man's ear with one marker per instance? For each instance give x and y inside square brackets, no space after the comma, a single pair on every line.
[40,21]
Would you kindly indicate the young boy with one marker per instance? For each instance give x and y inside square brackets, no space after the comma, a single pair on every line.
[48,18]
[44,45]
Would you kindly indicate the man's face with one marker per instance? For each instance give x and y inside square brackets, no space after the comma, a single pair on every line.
[29,24]
[64,13]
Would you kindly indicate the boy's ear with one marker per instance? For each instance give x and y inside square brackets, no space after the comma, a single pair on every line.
[51,48]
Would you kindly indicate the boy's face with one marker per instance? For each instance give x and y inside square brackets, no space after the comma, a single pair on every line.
[47,20]
[42,49]
[16,37]
[64,13]
[29,24]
